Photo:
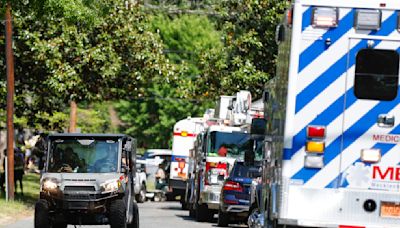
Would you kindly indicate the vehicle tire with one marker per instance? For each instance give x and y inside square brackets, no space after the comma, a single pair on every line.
[117,214]
[253,216]
[192,212]
[184,204]
[202,214]
[42,219]
[141,197]
[223,219]
[135,219]
[60,225]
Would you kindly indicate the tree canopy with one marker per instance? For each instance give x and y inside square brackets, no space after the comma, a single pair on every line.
[153,66]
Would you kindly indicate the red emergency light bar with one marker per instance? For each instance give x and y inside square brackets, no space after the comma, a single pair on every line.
[316,131]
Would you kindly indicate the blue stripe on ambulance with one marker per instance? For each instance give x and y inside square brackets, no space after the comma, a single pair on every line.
[306,18]
[335,109]
[332,150]
[319,46]
[298,139]
[330,114]
[339,67]
[353,133]
[384,147]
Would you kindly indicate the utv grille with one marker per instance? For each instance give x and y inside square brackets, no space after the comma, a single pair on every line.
[79,197]
[80,179]
[79,189]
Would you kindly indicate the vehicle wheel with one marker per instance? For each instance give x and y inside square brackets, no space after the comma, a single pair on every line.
[202,213]
[223,219]
[141,197]
[42,214]
[253,218]
[184,204]
[192,213]
[60,225]
[117,214]
[157,197]
[135,219]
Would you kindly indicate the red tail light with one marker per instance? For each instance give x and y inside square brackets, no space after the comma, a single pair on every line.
[232,186]
[316,131]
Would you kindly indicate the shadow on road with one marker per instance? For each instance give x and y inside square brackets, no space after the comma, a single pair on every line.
[172,208]
[188,218]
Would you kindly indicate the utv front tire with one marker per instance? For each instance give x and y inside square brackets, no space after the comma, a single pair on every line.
[42,214]
[117,214]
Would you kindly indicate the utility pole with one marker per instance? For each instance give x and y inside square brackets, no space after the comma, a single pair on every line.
[72,116]
[10,103]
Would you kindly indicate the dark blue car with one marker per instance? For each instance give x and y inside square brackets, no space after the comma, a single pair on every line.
[235,193]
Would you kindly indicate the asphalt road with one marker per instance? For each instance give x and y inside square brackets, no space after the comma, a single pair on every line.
[152,214]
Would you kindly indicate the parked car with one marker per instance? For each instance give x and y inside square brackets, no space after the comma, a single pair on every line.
[235,193]
[141,181]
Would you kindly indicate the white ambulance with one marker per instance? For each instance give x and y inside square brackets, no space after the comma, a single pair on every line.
[185,132]
[333,110]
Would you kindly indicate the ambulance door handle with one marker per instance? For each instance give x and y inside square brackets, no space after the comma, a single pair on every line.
[385,120]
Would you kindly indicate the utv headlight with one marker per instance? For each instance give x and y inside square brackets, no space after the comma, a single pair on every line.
[110,186]
[49,184]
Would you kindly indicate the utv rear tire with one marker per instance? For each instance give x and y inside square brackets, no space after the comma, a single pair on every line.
[135,219]
[117,214]
[42,214]
[223,219]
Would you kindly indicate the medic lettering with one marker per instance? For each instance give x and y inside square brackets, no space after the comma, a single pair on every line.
[386,138]
[386,173]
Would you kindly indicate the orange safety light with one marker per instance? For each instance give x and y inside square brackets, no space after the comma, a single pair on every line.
[289,16]
[315,147]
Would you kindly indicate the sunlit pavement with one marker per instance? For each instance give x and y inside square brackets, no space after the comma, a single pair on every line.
[152,214]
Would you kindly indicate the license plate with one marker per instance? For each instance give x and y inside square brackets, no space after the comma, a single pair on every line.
[390,210]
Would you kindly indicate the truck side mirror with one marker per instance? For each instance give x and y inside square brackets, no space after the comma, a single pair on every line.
[280,33]
[258,126]
[265,96]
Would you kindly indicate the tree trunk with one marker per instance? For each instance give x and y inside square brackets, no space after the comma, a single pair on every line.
[72,117]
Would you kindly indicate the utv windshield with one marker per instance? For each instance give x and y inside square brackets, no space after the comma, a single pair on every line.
[234,145]
[83,156]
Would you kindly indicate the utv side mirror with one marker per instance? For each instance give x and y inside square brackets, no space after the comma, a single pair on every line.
[128,146]
[265,96]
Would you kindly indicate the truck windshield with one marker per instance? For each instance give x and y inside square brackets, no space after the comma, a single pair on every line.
[83,156]
[234,145]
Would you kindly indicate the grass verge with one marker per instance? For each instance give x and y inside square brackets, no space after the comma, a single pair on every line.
[23,205]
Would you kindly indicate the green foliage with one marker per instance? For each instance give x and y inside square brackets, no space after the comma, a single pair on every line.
[162,68]
[247,60]
[186,37]
[58,60]
[151,119]
[94,119]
